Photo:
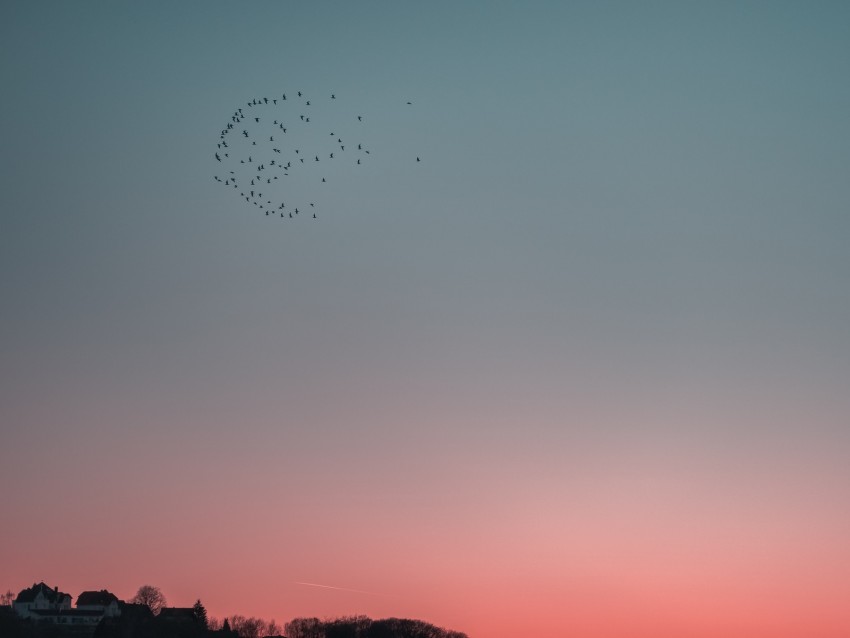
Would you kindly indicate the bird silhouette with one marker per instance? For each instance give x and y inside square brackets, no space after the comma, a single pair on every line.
[260,147]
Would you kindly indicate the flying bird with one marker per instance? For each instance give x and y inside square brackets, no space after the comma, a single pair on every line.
[240,144]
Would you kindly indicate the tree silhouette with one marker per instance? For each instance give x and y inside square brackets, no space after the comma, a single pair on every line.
[365,627]
[151,597]
[200,614]
[248,627]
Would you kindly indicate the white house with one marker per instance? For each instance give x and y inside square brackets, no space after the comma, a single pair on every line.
[104,602]
[35,600]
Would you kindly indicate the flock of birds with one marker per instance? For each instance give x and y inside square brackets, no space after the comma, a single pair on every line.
[273,143]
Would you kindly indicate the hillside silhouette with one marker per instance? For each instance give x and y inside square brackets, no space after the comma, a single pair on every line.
[42,611]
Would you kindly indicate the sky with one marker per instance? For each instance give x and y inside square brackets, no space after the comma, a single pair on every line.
[582,371]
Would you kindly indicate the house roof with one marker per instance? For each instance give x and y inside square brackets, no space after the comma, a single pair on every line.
[177,613]
[52,595]
[101,597]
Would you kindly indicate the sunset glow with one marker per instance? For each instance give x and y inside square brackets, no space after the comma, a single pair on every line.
[580,371]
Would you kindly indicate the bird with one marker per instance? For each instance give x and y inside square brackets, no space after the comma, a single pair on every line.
[217,157]
[417,159]
[359,118]
[333,97]
[299,93]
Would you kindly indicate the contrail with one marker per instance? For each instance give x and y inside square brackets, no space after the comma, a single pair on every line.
[358,591]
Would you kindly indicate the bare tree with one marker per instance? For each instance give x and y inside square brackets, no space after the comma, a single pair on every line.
[273,629]
[151,597]
[247,627]
[8,598]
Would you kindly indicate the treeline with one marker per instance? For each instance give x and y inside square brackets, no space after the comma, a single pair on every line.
[137,624]
[365,627]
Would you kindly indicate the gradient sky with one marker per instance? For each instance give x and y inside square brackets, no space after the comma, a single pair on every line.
[582,372]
